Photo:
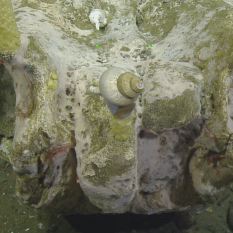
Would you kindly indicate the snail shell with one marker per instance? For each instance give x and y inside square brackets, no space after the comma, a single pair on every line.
[119,87]
[98,18]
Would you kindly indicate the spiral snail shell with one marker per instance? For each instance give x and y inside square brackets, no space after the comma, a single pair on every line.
[119,88]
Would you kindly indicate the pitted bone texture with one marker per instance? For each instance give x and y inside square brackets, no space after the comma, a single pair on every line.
[174,151]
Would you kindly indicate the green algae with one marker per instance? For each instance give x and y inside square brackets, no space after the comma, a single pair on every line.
[6,149]
[171,113]
[110,146]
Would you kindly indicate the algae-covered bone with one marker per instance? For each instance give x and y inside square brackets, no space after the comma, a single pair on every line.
[9,34]
[166,114]
[137,164]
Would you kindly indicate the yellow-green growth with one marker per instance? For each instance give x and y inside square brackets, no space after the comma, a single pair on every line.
[9,34]
[53,75]
[121,129]
[50,84]
[53,81]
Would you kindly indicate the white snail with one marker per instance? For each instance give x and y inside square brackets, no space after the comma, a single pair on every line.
[119,88]
[98,18]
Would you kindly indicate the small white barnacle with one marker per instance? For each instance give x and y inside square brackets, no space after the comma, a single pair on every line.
[98,18]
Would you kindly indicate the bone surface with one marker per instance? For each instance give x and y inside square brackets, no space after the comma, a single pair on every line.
[71,154]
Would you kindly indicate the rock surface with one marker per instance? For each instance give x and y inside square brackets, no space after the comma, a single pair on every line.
[174,150]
